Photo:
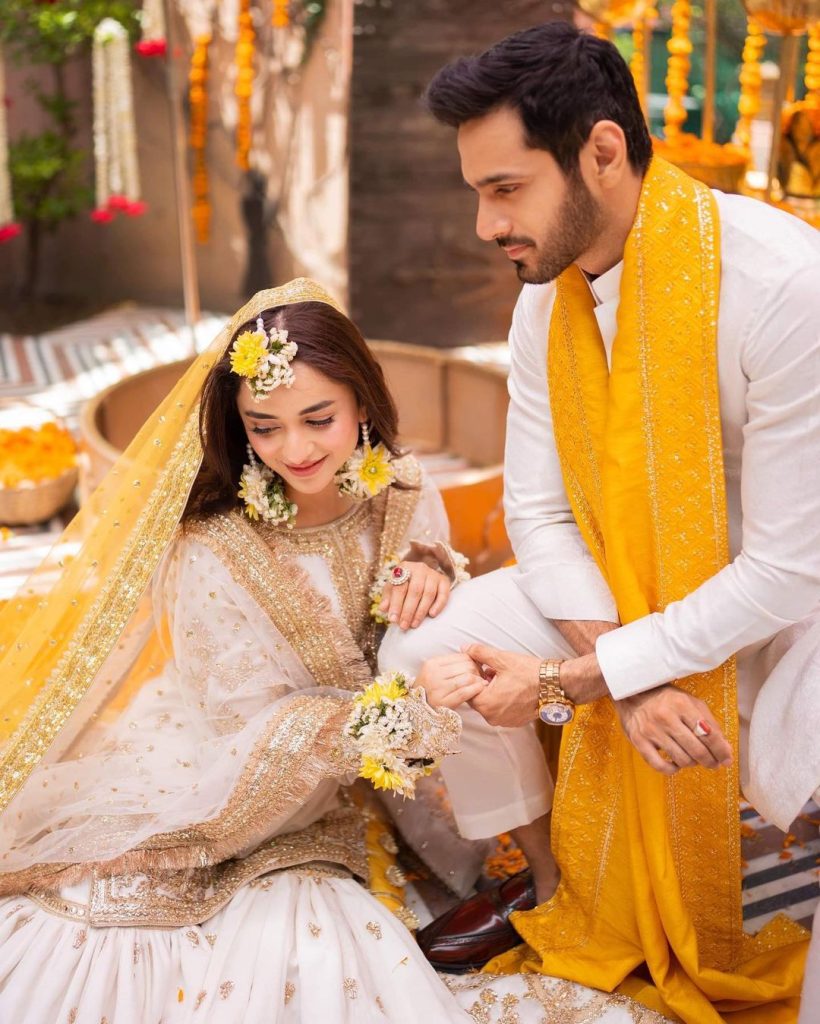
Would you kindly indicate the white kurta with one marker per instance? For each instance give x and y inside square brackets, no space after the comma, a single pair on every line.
[769,382]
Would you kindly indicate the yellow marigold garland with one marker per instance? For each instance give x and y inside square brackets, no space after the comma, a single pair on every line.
[750,82]
[677,69]
[244,84]
[198,99]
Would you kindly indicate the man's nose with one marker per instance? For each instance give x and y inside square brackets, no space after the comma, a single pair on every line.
[489,225]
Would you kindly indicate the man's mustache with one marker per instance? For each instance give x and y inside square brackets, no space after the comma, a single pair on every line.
[510,241]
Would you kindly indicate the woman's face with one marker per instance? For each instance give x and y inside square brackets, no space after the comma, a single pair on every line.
[304,433]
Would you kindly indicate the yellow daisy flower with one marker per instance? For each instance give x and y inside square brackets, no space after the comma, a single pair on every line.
[379,775]
[376,470]
[393,689]
[247,352]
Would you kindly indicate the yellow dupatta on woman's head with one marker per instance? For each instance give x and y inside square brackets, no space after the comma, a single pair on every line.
[650,864]
[74,632]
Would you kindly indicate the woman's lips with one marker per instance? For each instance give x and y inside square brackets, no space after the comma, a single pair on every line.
[306,468]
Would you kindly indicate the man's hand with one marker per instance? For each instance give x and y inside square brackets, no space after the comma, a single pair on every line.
[450,680]
[659,723]
[511,696]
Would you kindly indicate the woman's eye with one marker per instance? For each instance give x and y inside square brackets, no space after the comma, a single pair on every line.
[263,430]
[320,423]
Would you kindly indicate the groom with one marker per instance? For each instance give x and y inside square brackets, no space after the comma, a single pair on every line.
[662,496]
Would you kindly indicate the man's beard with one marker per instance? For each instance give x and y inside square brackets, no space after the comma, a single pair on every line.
[579,222]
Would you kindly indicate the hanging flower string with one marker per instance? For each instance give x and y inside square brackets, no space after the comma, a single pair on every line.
[813,67]
[645,16]
[281,14]
[677,69]
[115,144]
[244,84]
[152,19]
[9,228]
[198,97]
[751,80]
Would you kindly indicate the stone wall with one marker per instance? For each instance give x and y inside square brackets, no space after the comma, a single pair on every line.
[417,270]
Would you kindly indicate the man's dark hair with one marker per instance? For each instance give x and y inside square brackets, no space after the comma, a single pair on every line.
[559,80]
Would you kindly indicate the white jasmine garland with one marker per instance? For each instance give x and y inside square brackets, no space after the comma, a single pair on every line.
[115,146]
[263,493]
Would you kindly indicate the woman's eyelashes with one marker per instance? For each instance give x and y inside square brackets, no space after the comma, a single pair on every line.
[311,423]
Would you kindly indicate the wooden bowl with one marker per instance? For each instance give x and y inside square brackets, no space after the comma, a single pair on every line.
[36,502]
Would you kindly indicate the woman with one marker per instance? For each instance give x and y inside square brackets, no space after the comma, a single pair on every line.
[177,842]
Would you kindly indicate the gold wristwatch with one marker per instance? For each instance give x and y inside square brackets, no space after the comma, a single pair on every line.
[554,706]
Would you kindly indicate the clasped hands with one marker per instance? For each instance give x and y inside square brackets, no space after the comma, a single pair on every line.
[503,687]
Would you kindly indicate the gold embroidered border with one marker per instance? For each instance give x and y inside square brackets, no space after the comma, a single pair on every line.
[284,592]
[301,746]
[170,899]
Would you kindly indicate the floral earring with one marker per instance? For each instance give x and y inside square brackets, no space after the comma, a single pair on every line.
[263,493]
[368,470]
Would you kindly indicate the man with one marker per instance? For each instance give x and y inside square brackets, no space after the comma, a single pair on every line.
[662,493]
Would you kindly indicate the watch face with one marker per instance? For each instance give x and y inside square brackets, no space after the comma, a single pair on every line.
[555,714]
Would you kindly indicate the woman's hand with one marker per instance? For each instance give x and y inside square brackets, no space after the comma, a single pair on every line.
[425,593]
[450,680]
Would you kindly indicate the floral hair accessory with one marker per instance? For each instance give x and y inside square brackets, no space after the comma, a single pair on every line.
[263,358]
[263,493]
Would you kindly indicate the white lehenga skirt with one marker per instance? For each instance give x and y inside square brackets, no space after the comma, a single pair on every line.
[289,948]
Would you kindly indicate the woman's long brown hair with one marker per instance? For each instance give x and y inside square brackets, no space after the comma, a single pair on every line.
[328,342]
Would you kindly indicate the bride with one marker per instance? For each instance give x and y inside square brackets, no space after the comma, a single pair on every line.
[178,839]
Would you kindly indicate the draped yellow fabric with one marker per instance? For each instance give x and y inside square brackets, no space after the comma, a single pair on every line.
[79,631]
[650,865]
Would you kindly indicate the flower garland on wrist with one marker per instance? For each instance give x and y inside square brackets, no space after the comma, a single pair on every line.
[380,728]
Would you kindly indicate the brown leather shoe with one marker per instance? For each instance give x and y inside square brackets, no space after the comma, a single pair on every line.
[478,929]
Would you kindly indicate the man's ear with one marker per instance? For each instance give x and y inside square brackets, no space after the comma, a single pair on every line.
[604,154]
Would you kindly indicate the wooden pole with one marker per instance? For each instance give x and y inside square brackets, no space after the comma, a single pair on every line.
[788,65]
[187,253]
[710,59]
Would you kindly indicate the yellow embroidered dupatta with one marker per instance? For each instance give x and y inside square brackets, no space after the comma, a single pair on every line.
[650,864]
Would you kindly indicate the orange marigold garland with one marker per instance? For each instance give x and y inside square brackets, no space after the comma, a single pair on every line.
[281,13]
[244,84]
[677,69]
[645,16]
[198,99]
[813,66]
[750,82]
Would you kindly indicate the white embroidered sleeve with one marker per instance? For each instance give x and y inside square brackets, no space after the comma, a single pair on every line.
[775,579]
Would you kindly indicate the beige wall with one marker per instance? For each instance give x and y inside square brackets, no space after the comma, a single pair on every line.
[138,259]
